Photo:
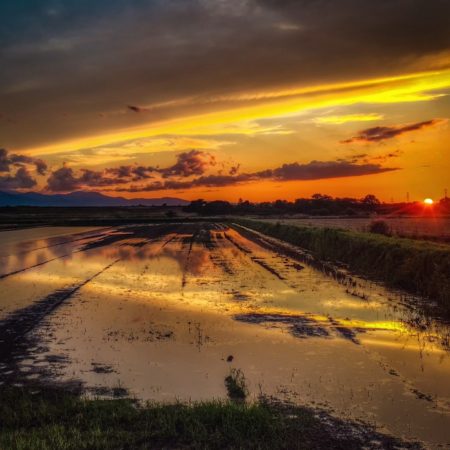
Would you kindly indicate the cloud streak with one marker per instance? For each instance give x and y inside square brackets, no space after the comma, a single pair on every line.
[95,57]
[377,134]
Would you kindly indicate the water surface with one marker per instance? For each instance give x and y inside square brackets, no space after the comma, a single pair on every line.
[156,311]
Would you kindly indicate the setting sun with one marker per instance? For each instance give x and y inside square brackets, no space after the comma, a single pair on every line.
[428,201]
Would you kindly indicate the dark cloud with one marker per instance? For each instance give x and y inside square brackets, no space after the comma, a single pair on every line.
[137,109]
[377,134]
[191,171]
[234,169]
[63,180]
[15,170]
[192,163]
[8,160]
[86,57]
[22,179]
[314,170]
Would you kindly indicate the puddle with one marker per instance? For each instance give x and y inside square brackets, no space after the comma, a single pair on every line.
[162,312]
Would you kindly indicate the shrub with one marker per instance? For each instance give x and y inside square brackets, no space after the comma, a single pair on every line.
[236,385]
[379,227]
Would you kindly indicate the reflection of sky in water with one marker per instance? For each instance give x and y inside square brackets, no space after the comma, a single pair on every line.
[166,308]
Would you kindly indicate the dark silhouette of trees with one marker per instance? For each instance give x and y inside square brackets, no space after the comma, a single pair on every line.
[317,205]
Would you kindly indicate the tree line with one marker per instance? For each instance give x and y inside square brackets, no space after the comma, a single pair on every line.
[317,205]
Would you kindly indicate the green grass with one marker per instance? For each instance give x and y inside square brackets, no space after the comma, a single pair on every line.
[418,267]
[55,420]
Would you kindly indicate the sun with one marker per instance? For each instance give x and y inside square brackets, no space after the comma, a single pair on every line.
[428,201]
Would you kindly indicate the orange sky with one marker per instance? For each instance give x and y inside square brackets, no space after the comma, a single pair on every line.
[231,125]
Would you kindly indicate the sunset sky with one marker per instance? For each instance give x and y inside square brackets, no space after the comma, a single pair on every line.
[226,99]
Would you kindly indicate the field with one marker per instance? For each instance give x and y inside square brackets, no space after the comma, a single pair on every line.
[167,312]
[422,227]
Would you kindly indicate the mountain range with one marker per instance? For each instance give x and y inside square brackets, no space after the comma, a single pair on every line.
[81,198]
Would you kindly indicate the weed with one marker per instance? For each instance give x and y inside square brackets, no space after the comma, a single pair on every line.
[379,227]
[236,385]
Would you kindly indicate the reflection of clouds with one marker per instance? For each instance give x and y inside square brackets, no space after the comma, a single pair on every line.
[410,343]
[174,255]
[345,303]
[198,258]
[129,250]
[27,254]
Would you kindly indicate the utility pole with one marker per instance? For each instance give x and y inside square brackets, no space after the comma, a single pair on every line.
[407,197]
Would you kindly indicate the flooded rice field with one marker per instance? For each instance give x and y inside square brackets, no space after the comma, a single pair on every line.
[163,312]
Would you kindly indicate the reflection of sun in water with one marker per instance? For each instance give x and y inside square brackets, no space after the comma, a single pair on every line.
[428,201]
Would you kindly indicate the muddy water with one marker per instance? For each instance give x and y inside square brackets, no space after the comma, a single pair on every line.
[155,312]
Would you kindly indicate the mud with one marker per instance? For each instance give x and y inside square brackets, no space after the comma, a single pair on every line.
[299,326]
[162,312]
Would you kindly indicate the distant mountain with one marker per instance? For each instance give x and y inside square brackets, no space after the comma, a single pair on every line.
[81,198]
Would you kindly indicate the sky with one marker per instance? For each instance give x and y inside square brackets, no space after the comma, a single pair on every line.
[226,99]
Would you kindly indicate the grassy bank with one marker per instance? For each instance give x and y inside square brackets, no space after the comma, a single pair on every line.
[56,420]
[418,267]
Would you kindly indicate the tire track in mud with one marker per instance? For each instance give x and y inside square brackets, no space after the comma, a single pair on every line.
[15,272]
[14,343]
[354,286]
[300,325]
[203,235]
[64,242]
[260,261]
[104,240]
[216,252]
[17,324]
[188,257]
[296,253]
[88,246]
[303,326]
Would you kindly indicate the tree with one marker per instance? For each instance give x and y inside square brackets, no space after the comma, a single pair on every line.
[371,200]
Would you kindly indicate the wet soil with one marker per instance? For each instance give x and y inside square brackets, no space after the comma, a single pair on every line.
[162,311]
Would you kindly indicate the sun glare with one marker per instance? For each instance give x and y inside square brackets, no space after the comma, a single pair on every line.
[428,201]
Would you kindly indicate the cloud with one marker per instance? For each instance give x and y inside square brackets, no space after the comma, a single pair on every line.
[22,179]
[234,169]
[377,134]
[195,162]
[137,109]
[15,170]
[63,180]
[8,160]
[180,54]
[192,163]
[193,169]
[345,118]
[314,170]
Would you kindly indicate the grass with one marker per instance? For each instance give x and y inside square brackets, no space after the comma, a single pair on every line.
[418,267]
[53,419]
[236,385]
